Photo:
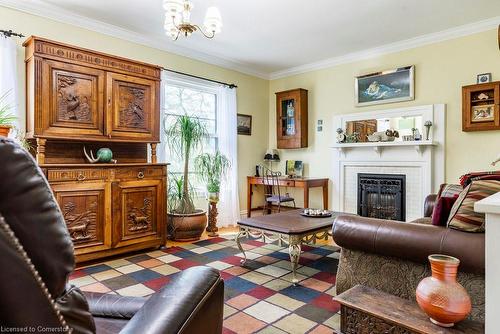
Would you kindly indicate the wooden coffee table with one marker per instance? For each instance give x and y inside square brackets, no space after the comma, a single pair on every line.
[287,227]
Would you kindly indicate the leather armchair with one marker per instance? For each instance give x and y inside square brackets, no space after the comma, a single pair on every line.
[392,256]
[37,258]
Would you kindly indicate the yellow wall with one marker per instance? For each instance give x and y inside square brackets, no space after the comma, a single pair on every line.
[252,92]
[441,70]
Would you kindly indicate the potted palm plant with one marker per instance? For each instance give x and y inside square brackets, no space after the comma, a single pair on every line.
[210,169]
[185,222]
[6,118]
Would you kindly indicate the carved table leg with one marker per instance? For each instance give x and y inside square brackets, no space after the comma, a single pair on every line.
[294,250]
[242,233]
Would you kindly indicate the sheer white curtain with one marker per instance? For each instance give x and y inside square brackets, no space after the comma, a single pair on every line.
[229,204]
[8,76]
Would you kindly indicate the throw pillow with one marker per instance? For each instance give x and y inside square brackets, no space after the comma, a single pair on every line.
[462,215]
[442,210]
[450,190]
[466,179]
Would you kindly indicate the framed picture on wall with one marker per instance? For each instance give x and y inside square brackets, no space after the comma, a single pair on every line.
[244,124]
[388,86]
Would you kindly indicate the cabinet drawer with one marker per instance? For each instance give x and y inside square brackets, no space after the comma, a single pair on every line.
[137,173]
[282,182]
[76,174]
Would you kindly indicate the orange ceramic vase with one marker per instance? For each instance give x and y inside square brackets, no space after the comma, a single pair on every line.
[440,296]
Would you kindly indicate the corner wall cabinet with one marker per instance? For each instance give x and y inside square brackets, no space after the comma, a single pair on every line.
[291,118]
[80,98]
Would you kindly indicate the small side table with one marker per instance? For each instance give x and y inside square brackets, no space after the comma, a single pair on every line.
[368,311]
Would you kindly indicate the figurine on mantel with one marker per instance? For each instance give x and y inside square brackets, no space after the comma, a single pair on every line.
[104,155]
[340,135]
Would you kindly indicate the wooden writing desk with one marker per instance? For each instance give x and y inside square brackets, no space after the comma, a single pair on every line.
[303,182]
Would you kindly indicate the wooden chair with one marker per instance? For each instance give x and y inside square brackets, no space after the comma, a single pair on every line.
[273,194]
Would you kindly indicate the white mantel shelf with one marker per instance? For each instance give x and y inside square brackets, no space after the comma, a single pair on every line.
[418,145]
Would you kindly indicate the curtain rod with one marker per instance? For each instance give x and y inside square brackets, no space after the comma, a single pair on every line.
[197,77]
[10,33]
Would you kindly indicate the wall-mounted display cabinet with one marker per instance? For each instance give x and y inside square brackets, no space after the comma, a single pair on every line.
[291,118]
[481,107]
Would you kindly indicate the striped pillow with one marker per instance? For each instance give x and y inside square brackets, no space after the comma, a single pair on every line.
[462,215]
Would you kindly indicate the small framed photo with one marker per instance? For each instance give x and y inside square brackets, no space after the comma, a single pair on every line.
[484,113]
[244,124]
[483,78]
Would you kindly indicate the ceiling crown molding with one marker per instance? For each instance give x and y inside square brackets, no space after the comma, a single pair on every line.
[40,8]
[440,36]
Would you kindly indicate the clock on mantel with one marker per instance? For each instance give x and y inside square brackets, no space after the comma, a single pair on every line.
[291,118]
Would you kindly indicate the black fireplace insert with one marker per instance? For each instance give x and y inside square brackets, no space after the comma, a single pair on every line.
[382,196]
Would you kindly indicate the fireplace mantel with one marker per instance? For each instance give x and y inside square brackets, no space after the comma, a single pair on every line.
[421,161]
[378,147]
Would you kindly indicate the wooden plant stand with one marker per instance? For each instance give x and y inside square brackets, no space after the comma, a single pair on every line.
[212,220]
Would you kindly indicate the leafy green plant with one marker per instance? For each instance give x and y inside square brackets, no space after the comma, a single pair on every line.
[211,168]
[6,117]
[183,136]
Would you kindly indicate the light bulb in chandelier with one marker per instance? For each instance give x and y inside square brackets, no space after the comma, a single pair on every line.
[213,20]
[173,8]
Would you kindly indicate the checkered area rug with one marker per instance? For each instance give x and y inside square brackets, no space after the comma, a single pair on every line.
[259,297]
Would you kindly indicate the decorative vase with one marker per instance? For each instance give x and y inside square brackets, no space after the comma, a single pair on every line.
[440,296]
[427,131]
[187,227]
[4,130]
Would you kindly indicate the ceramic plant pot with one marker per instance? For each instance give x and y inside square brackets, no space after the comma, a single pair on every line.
[188,227]
[440,296]
[4,130]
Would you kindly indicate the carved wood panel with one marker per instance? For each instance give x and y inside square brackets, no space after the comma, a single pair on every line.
[84,212]
[136,209]
[131,107]
[357,322]
[75,100]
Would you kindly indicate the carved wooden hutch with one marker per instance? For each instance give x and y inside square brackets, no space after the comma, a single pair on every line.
[78,97]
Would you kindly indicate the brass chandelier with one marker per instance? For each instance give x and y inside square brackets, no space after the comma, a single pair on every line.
[178,20]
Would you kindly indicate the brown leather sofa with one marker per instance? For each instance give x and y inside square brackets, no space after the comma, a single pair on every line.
[392,256]
[37,258]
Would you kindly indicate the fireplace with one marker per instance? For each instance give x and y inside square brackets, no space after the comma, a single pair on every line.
[382,196]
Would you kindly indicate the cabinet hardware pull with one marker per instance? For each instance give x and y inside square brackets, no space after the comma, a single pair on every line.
[140,175]
[80,177]
[109,136]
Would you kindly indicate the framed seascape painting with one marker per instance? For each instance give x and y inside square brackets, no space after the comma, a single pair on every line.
[244,124]
[385,87]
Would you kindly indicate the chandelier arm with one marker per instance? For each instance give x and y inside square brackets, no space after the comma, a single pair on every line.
[177,36]
[203,32]
[175,25]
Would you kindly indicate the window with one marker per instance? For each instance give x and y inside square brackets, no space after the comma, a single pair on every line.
[196,101]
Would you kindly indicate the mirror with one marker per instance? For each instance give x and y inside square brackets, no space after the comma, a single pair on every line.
[387,129]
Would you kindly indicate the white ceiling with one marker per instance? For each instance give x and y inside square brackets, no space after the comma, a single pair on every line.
[272,38]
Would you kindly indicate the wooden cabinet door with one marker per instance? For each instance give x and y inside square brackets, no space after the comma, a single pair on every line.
[86,210]
[72,101]
[132,108]
[138,211]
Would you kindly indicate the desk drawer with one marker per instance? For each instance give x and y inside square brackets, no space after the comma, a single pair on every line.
[282,182]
